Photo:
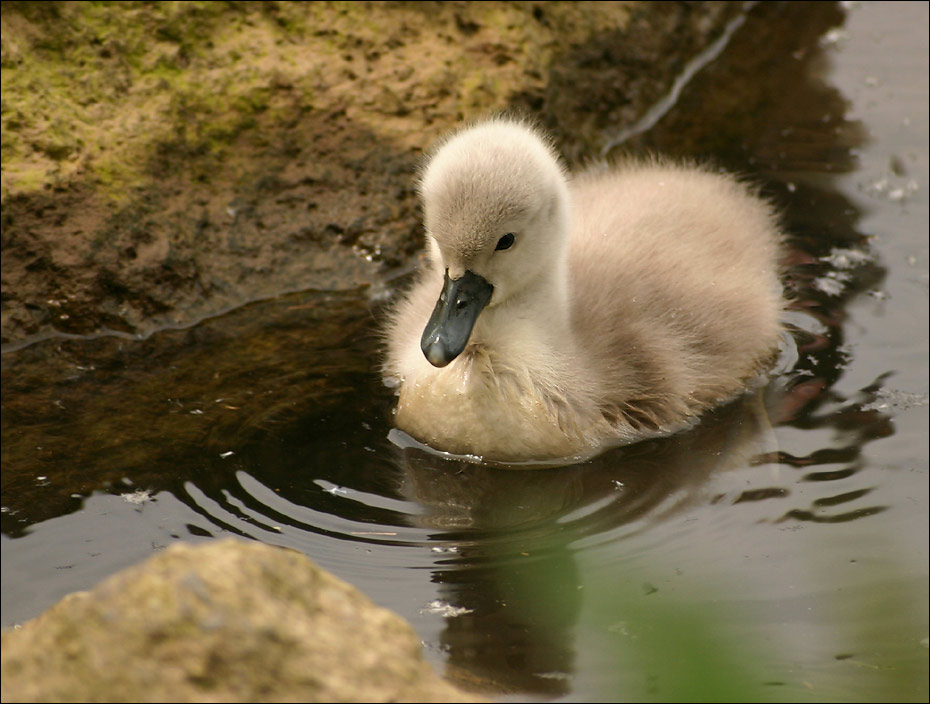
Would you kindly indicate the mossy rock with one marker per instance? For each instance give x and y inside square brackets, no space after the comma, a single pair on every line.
[166,161]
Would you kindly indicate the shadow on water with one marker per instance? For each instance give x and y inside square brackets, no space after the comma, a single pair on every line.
[271,422]
[85,415]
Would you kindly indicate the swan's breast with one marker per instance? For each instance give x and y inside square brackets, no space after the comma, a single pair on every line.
[498,413]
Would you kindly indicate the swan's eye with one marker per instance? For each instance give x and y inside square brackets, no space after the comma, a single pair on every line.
[505,242]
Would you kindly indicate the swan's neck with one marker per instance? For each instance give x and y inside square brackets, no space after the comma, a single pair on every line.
[534,320]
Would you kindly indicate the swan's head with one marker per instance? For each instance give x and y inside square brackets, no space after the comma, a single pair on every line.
[495,204]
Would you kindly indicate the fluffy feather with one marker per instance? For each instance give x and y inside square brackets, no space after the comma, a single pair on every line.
[634,298]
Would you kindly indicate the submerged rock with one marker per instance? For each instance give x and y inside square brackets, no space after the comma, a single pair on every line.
[224,621]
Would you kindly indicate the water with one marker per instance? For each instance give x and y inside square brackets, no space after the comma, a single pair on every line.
[779,551]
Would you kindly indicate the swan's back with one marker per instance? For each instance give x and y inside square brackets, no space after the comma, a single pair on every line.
[674,285]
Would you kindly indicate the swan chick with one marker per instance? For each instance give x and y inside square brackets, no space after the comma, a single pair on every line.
[560,314]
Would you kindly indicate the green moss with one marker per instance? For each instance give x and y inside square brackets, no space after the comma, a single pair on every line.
[80,79]
[104,91]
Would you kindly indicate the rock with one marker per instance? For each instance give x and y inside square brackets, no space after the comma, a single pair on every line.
[163,162]
[222,621]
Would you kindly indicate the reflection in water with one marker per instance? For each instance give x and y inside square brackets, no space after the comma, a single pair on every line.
[511,537]
[271,423]
[86,415]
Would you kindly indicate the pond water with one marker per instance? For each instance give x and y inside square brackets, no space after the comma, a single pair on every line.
[778,551]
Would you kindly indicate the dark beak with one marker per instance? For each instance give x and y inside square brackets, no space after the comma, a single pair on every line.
[454,316]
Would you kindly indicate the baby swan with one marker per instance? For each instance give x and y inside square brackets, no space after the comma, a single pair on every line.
[577,312]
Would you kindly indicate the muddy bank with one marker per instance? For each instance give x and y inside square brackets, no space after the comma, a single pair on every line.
[163,162]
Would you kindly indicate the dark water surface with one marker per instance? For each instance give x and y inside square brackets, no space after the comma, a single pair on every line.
[779,551]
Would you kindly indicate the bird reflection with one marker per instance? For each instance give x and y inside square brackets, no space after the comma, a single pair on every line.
[508,537]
